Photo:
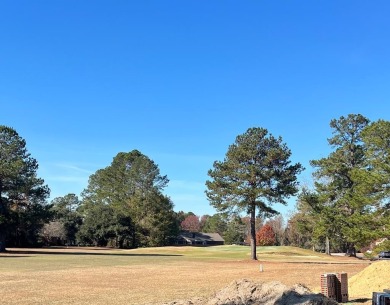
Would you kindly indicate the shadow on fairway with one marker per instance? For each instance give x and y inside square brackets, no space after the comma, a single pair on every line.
[87,253]
[12,256]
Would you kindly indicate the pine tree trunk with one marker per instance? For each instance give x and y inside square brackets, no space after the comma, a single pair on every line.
[327,246]
[2,240]
[253,232]
[351,251]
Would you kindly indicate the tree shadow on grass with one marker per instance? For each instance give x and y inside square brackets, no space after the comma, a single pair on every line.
[56,252]
[360,301]
[14,256]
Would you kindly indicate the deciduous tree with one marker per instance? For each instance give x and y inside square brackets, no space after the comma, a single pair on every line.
[191,223]
[278,227]
[53,233]
[265,236]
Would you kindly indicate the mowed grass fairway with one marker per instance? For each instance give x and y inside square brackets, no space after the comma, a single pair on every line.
[153,275]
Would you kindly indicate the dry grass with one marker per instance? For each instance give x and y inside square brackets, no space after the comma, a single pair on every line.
[153,275]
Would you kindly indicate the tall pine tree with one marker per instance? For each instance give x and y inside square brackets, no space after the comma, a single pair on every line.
[345,196]
[23,195]
[132,188]
[255,174]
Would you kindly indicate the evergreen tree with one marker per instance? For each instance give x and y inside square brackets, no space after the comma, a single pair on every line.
[23,209]
[66,212]
[256,173]
[98,226]
[345,202]
[376,137]
[235,231]
[131,187]
[216,224]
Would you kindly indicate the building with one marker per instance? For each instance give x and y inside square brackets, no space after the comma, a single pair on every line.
[199,239]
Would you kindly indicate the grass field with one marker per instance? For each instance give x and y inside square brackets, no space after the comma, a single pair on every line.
[153,275]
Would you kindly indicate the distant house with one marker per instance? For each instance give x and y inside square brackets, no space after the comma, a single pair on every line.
[199,239]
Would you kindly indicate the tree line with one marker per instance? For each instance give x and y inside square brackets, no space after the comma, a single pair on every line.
[348,206]
[124,206]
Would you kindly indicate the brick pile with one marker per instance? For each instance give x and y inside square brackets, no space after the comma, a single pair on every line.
[335,286]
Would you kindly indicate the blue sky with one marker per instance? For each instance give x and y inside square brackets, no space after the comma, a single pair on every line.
[179,80]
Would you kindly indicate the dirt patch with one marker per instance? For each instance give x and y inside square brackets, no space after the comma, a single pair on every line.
[247,292]
[373,278]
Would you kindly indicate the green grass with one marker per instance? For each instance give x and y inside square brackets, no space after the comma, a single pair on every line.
[233,252]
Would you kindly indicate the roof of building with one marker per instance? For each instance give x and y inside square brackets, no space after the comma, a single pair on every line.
[201,236]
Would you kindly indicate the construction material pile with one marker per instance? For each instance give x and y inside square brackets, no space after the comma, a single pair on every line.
[373,278]
[246,292]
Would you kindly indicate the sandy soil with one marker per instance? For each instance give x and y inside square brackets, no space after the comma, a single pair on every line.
[373,278]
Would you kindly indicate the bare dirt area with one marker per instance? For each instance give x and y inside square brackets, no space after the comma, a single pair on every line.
[246,292]
[373,278]
[97,276]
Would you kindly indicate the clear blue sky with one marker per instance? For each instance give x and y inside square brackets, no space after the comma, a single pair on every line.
[179,80]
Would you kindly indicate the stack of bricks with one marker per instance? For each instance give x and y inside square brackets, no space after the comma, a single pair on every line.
[335,286]
[328,285]
[342,287]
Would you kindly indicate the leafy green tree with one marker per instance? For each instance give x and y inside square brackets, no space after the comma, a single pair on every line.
[235,231]
[376,137]
[65,211]
[23,209]
[202,222]
[98,225]
[155,222]
[344,191]
[216,224]
[132,187]
[313,222]
[293,235]
[256,173]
